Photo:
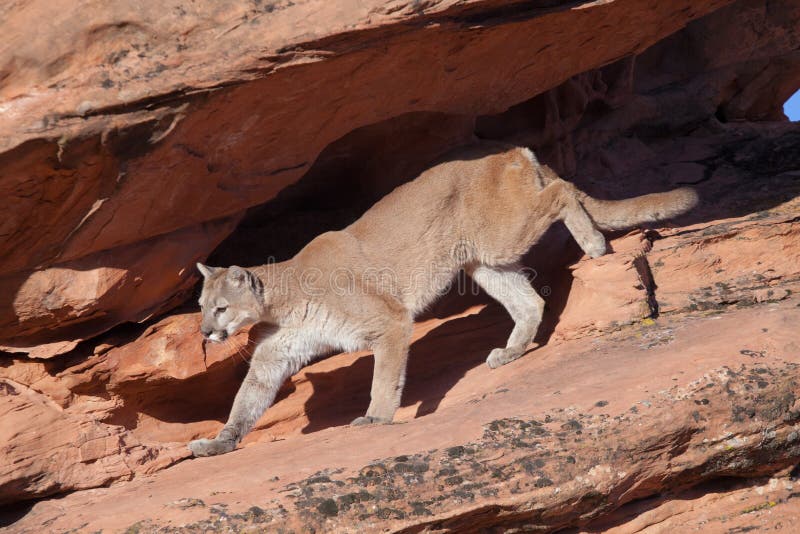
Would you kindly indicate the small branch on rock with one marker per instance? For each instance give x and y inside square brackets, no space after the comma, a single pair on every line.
[644,273]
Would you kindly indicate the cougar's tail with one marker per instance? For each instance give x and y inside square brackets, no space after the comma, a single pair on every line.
[624,214]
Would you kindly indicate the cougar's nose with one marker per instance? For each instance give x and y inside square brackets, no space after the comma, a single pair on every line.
[205,331]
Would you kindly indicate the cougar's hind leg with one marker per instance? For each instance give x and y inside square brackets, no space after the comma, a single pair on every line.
[576,218]
[580,225]
[510,287]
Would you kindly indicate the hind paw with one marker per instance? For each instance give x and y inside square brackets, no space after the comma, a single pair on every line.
[596,249]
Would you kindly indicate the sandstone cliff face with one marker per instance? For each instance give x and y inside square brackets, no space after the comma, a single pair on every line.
[145,132]
[136,141]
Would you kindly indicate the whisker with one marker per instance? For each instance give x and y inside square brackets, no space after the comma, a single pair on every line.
[237,350]
[229,347]
[247,351]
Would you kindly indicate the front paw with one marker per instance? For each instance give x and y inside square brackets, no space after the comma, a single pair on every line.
[368,420]
[210,447]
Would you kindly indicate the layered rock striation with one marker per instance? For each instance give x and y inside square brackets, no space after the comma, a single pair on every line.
[138,140]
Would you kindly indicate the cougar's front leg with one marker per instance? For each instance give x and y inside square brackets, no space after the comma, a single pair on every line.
[271,365]
[389,375]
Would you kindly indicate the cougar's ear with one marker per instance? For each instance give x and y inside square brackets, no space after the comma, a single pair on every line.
[237,276]
[205,270]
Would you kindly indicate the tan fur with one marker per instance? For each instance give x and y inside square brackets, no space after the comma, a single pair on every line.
[359,288]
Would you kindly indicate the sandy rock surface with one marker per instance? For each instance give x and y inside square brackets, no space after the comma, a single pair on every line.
[136,140]
[560,438]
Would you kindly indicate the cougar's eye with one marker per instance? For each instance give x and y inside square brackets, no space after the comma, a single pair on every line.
[219,310]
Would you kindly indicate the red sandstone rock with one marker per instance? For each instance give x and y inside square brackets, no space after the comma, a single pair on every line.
[47,449]
[163,390]
[110,211]
[53,309]
[561,437]
[123,124]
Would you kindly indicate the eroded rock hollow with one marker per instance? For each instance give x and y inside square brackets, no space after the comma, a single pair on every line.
[138,139]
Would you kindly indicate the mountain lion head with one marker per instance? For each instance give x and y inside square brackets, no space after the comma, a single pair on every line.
[231,299]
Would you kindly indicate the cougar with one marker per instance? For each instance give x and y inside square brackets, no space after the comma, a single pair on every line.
[360,288]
